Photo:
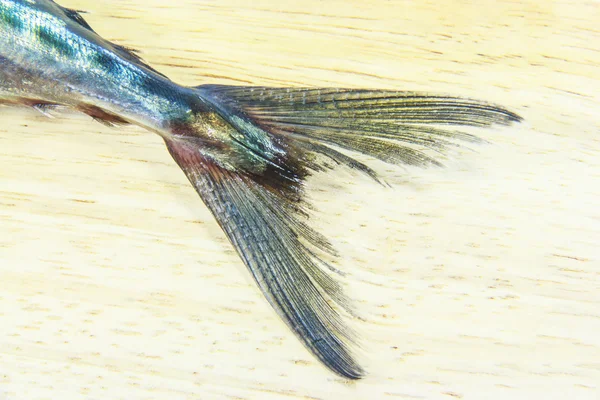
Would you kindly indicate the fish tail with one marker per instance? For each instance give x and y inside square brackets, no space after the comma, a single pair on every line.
[393,126]
[255,189]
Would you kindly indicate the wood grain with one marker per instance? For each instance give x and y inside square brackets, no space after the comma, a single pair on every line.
[481,280]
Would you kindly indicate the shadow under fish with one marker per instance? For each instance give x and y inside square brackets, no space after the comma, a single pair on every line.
[246,150]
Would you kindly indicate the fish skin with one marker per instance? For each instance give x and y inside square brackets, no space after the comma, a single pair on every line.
[50,55]
[54,58]
[246,150]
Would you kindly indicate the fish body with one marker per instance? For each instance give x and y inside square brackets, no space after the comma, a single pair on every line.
[246,150]
[50,55]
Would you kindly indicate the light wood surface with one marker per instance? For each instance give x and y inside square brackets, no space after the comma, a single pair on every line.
[478,281]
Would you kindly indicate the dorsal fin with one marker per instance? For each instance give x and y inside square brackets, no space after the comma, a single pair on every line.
[75,16]
[131,55]
[126,52]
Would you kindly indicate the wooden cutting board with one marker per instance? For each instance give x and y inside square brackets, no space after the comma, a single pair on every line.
[477,281]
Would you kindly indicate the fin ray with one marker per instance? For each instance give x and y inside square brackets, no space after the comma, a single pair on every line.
[277,137]
[75,16]
[396,127]
[281,252]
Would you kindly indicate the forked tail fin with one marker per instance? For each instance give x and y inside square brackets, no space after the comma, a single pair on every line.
[293,132]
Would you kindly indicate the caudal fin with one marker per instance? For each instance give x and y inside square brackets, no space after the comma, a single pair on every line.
[395,127]
[279,136]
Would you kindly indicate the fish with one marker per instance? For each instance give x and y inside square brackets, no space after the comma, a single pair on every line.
[247,150]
